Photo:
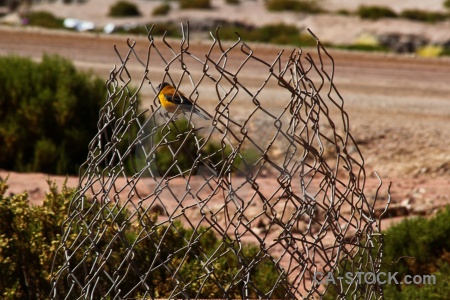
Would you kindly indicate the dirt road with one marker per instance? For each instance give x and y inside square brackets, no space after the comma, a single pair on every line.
[399,106]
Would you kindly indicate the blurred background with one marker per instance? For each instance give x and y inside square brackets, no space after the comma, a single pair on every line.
[400,26]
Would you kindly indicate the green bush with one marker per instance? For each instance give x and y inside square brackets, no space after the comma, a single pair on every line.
[307,6]
[201,4]
[375,12]
[159,29]
[44,19]
[285,34]
[445,52]
[276,34]
[447,4]
[440,289]
[48,114]
[161,10]
[362,47]
[343,12]
[419,246]
[124,9]
[424,16]
[425,240]
[179,137]
[30,237]
[415,246]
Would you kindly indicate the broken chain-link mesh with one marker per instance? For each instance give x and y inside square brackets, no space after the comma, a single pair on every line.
[259,201]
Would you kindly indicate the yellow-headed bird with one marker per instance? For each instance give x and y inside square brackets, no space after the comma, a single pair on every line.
[171,101]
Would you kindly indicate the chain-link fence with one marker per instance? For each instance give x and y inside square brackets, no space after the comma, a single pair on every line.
[253,203]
